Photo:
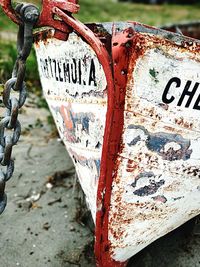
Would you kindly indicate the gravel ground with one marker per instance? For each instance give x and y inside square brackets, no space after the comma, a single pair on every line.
[46,222]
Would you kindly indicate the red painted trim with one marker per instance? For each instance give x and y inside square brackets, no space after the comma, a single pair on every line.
[116,89]
[116,75]
[105,179]
[9,11]
[47,15]
[121,52]
[112,133]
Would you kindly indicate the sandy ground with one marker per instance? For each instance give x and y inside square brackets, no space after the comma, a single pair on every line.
[46,222]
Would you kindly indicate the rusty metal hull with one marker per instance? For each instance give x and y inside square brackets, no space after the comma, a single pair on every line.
[130,122]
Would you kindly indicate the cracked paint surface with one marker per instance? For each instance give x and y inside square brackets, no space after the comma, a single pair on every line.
[157,181]
[74,86]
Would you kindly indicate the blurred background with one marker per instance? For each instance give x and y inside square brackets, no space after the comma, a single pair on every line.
[163,1]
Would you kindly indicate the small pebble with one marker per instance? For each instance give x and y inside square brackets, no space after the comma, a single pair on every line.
[49,185]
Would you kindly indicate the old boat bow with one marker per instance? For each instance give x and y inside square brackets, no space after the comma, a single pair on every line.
[126,100]
[134,143]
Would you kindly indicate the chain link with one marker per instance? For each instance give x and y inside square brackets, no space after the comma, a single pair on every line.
[10,127]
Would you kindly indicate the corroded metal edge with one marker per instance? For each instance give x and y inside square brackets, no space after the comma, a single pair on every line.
[167,32]
[191,29]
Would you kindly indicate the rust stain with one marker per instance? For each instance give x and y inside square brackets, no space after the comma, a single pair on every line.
[43,36]
[172,187]
[185,124]
[169,146]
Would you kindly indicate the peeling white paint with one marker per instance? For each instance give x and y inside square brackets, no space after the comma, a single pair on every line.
[77,100]
[71,68]
[156,188]
[154,70]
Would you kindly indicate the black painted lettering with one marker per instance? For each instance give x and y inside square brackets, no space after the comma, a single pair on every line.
[165,98]
[197,103]
[47,69]
[66,72]
[92,75]
[69,71]
[59,72]
[188,93]
[42,67]
[55,69]
[74,71]
[50,66]
[79,71]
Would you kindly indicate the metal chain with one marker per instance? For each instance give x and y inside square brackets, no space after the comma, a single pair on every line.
[10,127]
